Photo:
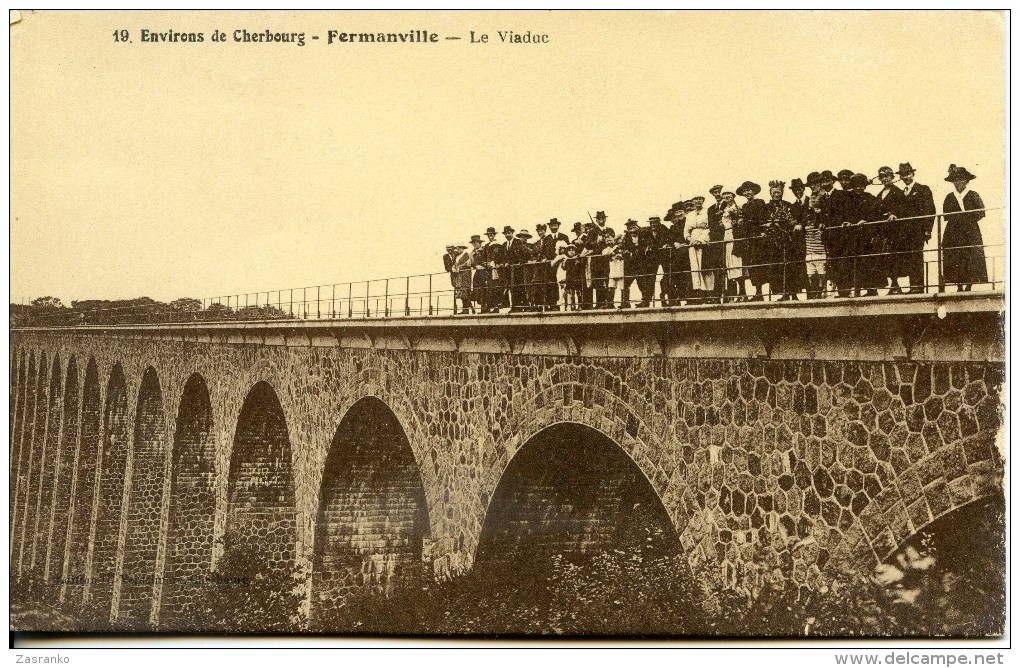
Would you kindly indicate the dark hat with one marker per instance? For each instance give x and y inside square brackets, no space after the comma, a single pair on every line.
[508,230]
[540,226]
[885,169]
[654,219]
[826,175]
[490,230]
[844,173]
[813,178]
[608,231]
[600,215]
[749,185]
[715,190]
[689,203]
[477,237]
[631,221]
[797,184]
[553,221]
[577,226]
[959,174]
[905,168]
[859,181]
[524,234]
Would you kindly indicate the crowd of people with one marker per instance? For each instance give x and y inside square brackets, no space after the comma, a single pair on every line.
[841,241]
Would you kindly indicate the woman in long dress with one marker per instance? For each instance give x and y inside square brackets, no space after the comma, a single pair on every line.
[963,255]
[729,211]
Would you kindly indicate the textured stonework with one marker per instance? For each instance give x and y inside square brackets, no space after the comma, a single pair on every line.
[767,468]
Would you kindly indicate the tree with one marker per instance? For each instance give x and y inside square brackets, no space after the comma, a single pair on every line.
[48,302]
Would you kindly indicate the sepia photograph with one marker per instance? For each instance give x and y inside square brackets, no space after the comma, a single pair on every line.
[670,327]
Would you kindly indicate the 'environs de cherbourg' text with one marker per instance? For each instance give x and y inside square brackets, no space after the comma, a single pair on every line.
[337,36]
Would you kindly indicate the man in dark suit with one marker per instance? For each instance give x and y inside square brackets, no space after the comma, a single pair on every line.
[554,232]
[495,261]
[544,289]
[834,217]
[518,258]
[634,247]
[713,255]
[889,237]
[920,206]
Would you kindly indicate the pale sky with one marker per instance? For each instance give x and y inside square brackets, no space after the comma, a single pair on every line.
[171,170]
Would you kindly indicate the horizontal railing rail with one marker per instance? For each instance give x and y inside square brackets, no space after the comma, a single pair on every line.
[663,277]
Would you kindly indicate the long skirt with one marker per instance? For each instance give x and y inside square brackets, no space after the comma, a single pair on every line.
[701,279]
[963,255]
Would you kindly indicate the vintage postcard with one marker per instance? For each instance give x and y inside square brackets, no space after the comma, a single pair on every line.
[442,324]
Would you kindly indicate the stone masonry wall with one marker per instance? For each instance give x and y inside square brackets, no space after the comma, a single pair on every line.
[749,457]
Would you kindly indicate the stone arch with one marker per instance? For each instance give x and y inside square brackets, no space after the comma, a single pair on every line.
[16,385]
[606,413]
[145,503]
[29,488]
[192,513]
[261,510]
[372,522]
[946,480]
[83,488]
[63,473]
[571,491]
[48,460]
[113,478]
[26,411]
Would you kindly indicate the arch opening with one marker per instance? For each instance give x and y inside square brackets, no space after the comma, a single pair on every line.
[85,474]
[372,525]
[145,504]
[63,474]
[29,488]
[574,513]
[112,478]
[192,507]
[24,449]
[259,546]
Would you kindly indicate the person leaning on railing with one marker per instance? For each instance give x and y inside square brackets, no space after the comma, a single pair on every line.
[892,204]
[779,245]
[920,208]
[754,213]
[963,255]
[462,287]
[866,247]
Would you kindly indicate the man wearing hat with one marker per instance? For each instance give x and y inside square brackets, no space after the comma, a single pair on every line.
[751,249]
[920,208]
[894,235]
[674,258]
[462,278]
[714,254]
[518,259]
[554,232]
[602,225]
[867,245]
[495,260]
[844,176]
[449,258]
[479,272]
[634,247]
[833,217]
[543,252]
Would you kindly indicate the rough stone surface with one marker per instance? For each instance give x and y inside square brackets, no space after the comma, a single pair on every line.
[765,468]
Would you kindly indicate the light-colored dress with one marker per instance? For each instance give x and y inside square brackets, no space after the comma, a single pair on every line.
[696,231]
[730,219]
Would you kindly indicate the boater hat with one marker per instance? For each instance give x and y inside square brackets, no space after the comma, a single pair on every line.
[749,185]
[524,234]
[959,174]
[905,169]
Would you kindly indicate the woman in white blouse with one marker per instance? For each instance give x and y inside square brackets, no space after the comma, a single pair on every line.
[696,234]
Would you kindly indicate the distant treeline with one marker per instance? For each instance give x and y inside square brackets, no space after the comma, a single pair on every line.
[51,312]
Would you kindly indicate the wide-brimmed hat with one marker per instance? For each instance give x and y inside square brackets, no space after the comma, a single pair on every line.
[845,173]
[508,230]
[813,178]
[797,184]
[476,237]
[826,175]
[449,246]
[959,174]
[904,169]
[524,234]
[490,230]
[600,215]
[462,246]
[859,181]
[630,221]
[749,185]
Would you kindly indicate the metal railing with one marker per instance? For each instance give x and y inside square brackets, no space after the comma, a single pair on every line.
[663,277]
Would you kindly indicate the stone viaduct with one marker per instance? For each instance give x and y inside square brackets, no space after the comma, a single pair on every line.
[776,440]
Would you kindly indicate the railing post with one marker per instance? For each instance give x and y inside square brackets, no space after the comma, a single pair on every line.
[332,304]
[290,305]
[350,300]
[368,290]
[407,296]
[430,294]
[386,299]
[318,302]
[938,254]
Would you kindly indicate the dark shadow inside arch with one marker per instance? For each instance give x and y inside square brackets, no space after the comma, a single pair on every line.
[112,469]
[47,479]
[261,534]
[84,474]
[19,463]
[28,489]
[145,505]
[571,491]
[192,509]
[64,475]
[372,520]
